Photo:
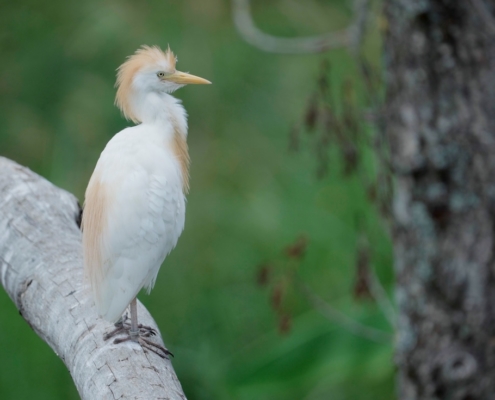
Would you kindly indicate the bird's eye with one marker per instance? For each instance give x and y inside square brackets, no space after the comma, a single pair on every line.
[160,74]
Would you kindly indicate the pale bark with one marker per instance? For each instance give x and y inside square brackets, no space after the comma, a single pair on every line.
[349,37]
[441,122]
[41,270]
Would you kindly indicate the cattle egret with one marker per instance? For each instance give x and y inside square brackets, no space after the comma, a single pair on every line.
[134,207]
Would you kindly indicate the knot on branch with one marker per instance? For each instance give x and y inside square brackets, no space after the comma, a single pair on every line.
[458,365]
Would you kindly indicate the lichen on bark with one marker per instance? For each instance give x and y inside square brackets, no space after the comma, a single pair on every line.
[440,76]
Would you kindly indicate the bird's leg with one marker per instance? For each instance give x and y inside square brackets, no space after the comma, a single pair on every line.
[134,332]
[137,333]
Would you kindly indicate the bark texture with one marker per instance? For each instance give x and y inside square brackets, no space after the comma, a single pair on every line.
[440,65]
[41,270]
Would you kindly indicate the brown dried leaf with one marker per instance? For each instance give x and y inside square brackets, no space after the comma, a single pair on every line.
[298,248]
[311,115]
[277,296]
[361,282]
[263,274]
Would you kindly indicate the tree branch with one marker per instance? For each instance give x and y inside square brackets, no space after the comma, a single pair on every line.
[41,270]
[353,326]
[380,295]
[349,37]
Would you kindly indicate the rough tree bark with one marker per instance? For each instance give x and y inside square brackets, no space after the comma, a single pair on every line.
[440,65]
[41,270]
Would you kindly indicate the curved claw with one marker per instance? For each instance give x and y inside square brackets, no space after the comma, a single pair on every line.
[144,332]
[163,352]
[147,329]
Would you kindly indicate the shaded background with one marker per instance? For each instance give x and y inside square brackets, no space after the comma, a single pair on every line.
[235,334]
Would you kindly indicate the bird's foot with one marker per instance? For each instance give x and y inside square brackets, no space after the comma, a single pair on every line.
[124,327]
[146,344]
[143,332]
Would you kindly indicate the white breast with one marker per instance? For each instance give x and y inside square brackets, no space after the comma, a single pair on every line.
[144,214]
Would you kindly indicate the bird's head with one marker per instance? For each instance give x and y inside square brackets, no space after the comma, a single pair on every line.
[149,70]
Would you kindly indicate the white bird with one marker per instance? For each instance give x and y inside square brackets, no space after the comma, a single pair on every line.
[134,206]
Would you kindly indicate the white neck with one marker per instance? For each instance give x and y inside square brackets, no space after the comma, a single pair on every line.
[158,108]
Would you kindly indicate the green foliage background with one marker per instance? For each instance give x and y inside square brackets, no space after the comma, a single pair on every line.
[250,196]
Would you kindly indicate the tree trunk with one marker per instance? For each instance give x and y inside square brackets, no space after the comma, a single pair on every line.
[440,65]
[41,270]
